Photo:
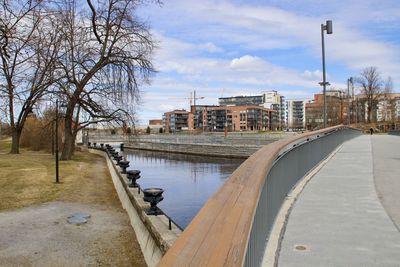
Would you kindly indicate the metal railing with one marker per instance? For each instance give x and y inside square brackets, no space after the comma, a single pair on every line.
[233,227]
[231,139]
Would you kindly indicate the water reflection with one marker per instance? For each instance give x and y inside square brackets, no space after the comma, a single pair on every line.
[188,180]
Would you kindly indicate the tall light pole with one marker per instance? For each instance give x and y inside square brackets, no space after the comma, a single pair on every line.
[349,81]
[324,83]
[56,141]
[56,134]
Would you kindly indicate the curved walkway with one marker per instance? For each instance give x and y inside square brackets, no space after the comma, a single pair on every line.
[338,219]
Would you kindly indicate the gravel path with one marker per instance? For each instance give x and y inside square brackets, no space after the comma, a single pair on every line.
[40,236]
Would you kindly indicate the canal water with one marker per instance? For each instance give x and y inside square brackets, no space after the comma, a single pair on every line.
[188,181]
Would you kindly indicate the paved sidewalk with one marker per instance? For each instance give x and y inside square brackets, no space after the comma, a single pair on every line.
[338,219]
[386,155]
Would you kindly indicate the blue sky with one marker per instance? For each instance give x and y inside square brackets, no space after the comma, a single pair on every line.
[228,48]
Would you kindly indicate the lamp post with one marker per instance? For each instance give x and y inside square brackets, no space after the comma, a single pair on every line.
[324,83]
[56,142]
[57,178]
[349,81]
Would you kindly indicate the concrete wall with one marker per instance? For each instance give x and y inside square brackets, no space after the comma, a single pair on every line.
[152,232]
[240,151]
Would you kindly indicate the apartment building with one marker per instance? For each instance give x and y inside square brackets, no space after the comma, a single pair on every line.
[257,100]
[268,99]
[273,100]
[295,114]
[388,108]
[336,109]
[177,120]
[234,118]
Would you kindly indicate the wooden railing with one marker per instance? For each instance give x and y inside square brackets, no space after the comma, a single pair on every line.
[223,232]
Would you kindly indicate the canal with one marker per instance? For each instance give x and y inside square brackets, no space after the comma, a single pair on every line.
[188,180]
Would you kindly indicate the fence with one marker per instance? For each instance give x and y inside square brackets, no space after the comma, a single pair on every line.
[231,139]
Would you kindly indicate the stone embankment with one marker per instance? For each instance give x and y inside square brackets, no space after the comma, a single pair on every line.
[220,150]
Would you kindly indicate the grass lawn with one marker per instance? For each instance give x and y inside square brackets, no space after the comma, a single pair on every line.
[29,178]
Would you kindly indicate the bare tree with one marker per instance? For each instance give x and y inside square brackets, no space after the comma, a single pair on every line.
[106,56]
[28,46]
[370,82]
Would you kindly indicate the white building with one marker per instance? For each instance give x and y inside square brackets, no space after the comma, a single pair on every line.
[296,113]
[388,109]
[275,101]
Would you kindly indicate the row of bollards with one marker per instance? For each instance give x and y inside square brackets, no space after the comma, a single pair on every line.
[151,195]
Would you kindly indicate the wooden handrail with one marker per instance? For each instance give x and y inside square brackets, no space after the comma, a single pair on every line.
[219,234]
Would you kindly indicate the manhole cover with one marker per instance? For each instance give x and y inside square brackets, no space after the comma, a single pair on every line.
[300,247]
[80,214]
[76,220]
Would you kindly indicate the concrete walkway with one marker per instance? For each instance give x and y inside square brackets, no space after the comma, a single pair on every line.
[338,219]
[386,155]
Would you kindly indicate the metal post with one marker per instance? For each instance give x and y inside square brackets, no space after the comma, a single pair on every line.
[323,70]
[57,179]
[52,137]
[348,101]
[324,83]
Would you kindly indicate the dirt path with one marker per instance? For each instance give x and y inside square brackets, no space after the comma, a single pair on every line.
[39,235]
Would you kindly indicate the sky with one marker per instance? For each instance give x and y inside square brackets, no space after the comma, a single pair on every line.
[230,48]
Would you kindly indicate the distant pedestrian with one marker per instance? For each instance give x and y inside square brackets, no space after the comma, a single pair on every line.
[371,130]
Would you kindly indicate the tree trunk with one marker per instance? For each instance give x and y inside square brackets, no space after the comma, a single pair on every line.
[73,142]
[15,137]
[67,149]
[369,110]
[66,152]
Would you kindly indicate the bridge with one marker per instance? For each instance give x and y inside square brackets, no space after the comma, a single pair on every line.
[324,198]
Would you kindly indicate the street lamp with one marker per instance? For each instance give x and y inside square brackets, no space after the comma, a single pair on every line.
[324,83]
[349,81]
[56,136]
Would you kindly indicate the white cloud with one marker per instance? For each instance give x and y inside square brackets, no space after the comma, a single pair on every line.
[211,48]
[312,75]
[247,63]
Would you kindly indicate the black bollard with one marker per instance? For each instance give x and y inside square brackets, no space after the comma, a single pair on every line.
[118,159]
[123,164]
[121,147]
[154,196]
[133,175]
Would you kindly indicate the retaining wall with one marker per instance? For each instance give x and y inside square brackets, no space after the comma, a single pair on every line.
[228,151]
[152,232]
